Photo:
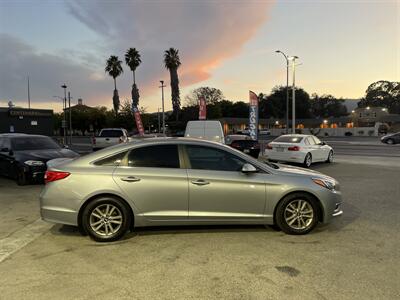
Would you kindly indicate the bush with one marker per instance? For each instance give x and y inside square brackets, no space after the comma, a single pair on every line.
[348,133]
[326,134]
[361,132]
[371,132]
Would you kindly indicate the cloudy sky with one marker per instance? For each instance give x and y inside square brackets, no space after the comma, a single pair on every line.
[343,46]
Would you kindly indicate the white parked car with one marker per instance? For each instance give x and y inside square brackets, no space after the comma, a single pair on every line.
[110,136]
[299,148]
[205,130]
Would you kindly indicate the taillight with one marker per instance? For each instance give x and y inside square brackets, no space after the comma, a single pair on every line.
[235,145]
[269,146]
[50,176]
[94,141]
[294,148]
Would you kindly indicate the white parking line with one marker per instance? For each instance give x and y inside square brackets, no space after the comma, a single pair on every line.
[22,237]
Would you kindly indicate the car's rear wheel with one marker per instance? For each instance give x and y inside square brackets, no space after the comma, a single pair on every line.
[390,141]
[307,160]
[330,157]
[106,219]
[297,214]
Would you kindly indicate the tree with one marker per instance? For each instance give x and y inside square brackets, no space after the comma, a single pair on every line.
[133,60]
[383,93]
[211,95]
[172,63]
[114,69]
[327,106]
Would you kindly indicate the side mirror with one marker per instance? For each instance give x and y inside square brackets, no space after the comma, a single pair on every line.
[322,143]
[248,168]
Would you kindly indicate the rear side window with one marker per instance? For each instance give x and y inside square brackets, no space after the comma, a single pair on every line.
[111,133]
[159,156]
[288,139]
[113,160]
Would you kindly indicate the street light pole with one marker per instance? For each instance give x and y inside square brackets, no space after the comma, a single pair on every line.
[293,59]
[64,108]
[287,89]
[163,112]
[70,118]
[158,118]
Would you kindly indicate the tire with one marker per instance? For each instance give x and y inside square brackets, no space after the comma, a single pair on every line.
[304,220]
[307,160]
[20,177]
[390,141]
[106,219]
[330,157]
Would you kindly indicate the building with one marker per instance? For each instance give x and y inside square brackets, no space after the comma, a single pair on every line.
[24,120]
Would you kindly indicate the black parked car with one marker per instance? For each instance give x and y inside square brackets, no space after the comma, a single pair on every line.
[24,156]
[243,143]
[390,139]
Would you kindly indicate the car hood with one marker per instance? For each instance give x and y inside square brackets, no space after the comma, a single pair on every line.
[297,171]
[45,154]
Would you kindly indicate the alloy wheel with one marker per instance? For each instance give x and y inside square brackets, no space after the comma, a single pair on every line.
[299,214]
[106,219]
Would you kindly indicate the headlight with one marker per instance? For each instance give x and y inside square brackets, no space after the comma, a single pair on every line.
[34,163]
[326,183]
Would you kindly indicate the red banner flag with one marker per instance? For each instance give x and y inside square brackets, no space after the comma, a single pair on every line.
[202,109]
[138,119]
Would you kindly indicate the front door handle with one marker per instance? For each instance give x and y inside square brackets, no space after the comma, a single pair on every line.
[130,179]
[200,182]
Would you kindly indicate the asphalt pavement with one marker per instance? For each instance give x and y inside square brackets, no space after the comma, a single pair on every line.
[354,257]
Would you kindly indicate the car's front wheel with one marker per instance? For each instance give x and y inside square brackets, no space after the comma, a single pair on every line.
[389,141]
[330,157]
[297,214]
[106,219]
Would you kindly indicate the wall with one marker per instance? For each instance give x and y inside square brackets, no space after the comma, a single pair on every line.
[356,131]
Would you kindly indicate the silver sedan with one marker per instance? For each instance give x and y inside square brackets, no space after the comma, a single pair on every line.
[179,181]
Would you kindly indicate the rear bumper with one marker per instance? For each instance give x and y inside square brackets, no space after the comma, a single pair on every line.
[59,215]
[290,156]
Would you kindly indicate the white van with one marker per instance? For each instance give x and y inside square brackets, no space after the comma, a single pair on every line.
[206,130]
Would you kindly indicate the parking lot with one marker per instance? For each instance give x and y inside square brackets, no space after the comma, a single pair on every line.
[355,257]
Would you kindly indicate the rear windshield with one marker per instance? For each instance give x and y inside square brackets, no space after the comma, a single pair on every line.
[111,133]
[33,143]
[288,139]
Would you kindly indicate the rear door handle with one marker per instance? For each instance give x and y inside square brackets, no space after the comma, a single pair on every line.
[130,179]
[200,182]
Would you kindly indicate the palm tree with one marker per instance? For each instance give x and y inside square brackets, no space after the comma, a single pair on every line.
[114,69]
[132,59]
[172,63]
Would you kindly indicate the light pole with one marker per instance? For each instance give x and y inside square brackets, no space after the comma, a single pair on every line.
[70,118]
[64,108]
[158,118]
[287,89]
[162,98]
[293,59]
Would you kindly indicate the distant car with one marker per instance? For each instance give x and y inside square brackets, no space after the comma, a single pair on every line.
[391,139]
[180,181]
[243,143]
[205,130]
[108,137]
[299,148]
[24,156]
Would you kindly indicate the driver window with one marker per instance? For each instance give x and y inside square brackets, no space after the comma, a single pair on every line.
[207,158]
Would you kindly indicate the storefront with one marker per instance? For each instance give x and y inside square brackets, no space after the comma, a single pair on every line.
[23,120]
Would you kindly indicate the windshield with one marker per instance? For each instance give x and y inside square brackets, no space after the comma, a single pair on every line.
[111,133]
[33,143]
[288,139]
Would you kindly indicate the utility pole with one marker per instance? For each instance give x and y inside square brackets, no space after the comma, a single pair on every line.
[29,96]
[70,118]
[293,59]
[287,89]
[64,108]
[162,98]
[158,117]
